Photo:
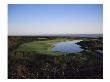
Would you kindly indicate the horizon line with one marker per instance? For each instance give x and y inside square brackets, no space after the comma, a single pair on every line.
[54,34]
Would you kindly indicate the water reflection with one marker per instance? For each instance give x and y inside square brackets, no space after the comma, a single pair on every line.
[68,46]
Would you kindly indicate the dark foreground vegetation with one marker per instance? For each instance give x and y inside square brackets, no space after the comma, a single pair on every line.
[87,64]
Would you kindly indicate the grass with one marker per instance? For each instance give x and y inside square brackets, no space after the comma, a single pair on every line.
[42,46]
[45,46]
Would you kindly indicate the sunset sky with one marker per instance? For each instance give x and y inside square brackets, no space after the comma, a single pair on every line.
[33,19]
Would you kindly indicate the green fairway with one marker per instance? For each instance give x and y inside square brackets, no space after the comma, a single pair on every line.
[41,46]
[44,46]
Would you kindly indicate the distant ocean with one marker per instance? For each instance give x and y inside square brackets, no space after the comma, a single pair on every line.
[65,35]
[73,35]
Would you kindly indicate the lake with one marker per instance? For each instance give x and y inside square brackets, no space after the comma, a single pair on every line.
[67,46]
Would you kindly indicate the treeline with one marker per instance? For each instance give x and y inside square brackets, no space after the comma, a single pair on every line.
[84,65]
[42,66]
[15,41]
[95,46]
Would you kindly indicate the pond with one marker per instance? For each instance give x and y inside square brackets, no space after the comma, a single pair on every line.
[68,46]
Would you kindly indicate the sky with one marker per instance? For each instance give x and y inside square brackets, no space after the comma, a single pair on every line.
[35,19]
